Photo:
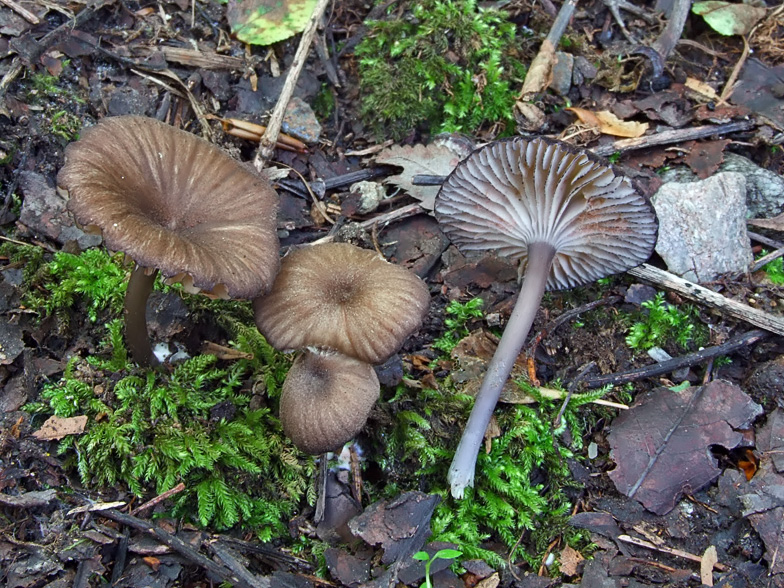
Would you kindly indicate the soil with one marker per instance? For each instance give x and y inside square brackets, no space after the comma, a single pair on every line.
[111,63]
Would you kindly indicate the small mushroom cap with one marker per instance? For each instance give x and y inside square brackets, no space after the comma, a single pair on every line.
[514,192]
[174,202]
[339,297]
[326,400]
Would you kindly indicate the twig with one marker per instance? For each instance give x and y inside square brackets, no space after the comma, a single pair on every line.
[665,367]
[730,85]
[673,136]
[703,295]
[160,498]
[177,545]
[668,550]
[21,11]
[538,77]
[381,219]
[673,30]
[267,143]
[225,555]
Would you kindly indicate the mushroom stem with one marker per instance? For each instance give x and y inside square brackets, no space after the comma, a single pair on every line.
[461,472]
[139,289]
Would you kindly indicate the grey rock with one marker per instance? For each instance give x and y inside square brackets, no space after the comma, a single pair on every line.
[562,73]
[702,227]
[764,188]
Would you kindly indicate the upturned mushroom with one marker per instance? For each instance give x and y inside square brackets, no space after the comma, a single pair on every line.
[326,399]
[342,298]
[568,217]
[176,204]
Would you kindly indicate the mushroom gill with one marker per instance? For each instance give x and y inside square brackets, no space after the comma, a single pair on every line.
[568,217]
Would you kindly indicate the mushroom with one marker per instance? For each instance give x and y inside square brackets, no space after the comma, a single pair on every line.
[339,297]
[567,216]
[174,203]
[326,399]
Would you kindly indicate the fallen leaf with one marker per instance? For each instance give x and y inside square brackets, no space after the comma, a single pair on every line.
[709,559]
[57,427]
[661,445]
[437,159]
[729,19]
[609,124]
[705,157]
[775,224]
[570,560]
[263,22]
[702,88]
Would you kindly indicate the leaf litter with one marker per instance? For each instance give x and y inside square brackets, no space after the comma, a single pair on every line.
[661,446]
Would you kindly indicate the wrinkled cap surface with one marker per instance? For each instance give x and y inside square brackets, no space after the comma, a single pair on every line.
[326,400]
[174,202]
[339,297]
[514,192]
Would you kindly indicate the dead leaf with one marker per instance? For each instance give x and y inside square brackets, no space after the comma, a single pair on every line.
[57,427]
[490,582]
[701,88]
[661,445]
[774,224]
[705,157]
[436,159]
[570,560]
[762,498]
[609,124]
[709,559]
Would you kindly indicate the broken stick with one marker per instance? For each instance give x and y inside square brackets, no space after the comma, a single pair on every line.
[703,295]
[267,144]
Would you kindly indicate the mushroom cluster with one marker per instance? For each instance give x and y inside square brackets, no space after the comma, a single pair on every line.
[346,308]
[175,204]
[568,217]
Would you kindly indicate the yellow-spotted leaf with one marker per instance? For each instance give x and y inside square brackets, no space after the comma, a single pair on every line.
[263,22]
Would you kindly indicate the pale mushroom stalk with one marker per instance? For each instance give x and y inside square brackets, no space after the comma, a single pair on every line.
[139,288]
[461,472]
[565,215]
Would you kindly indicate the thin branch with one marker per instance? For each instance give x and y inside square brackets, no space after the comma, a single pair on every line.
[267,143]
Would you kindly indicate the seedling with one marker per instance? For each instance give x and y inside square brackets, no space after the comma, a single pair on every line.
[661,324]
[440,554]
[775,270]
[458,315]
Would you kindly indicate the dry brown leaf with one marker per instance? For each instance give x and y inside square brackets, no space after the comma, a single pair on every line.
[775,224]
[570,560]
[437,159]
[709,559]
[701,88]
[609,124]
[57,427]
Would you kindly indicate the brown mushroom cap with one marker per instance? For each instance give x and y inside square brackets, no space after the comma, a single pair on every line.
[326,400]
[174,202]
[339,297]
[514,192]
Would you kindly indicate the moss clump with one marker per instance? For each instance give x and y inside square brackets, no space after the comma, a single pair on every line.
[521,485]
[447,65]
[149,431]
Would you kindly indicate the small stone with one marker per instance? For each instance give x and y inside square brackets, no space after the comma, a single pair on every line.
[370,195]
[300,121]
[562,73]
[702,227]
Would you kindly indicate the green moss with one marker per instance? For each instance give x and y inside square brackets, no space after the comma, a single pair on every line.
[447,66]
[521,483]
[148,431]
[659,323]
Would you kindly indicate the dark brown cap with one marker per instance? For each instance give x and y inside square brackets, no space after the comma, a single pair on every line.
[514,192]
[174,202]
[339,297]
[326,400]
